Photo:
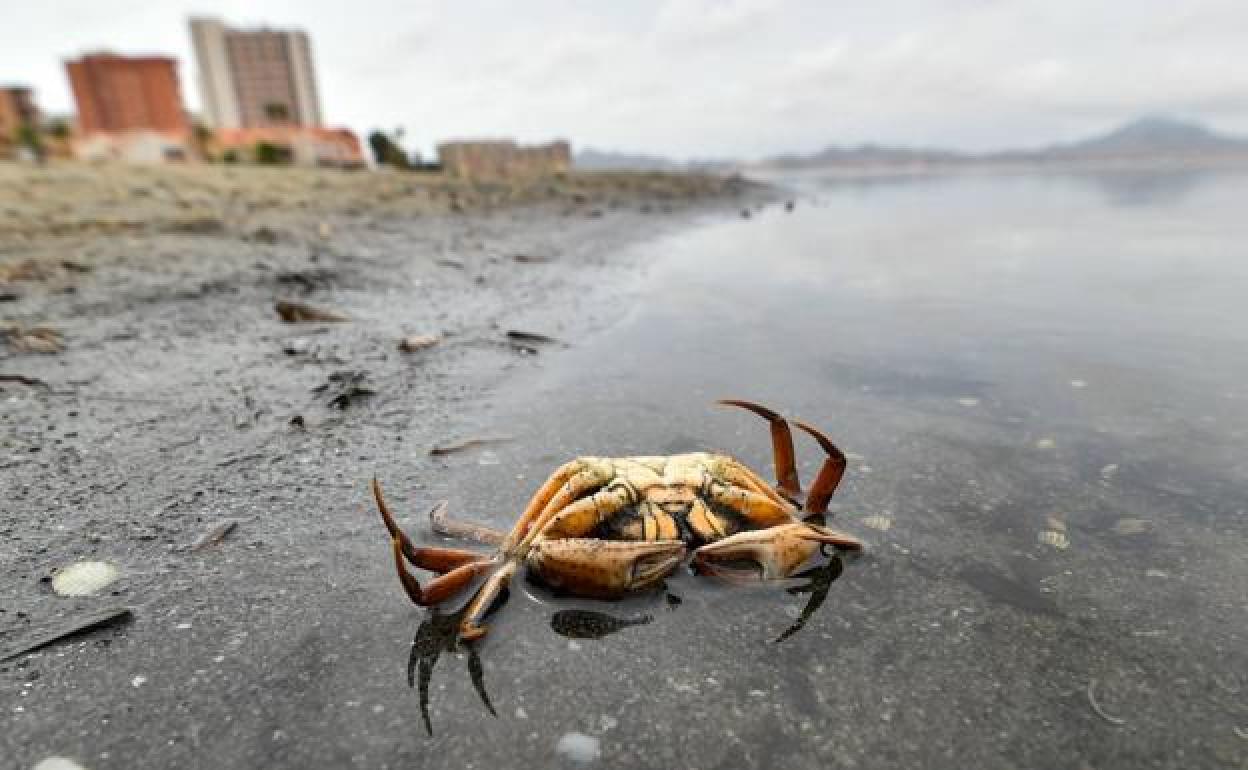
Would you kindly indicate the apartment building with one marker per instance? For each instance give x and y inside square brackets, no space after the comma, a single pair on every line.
[117,94]
[255,78]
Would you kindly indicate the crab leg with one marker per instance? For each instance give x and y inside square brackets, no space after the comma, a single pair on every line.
[740,475]
[830,472]
[567,483]
[444,525]
[582,516]
[758,509]
[777,551]
[782,447]
[440,588]
[492,592]
[439,560]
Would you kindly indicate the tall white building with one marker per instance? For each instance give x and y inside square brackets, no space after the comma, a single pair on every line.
[255,78]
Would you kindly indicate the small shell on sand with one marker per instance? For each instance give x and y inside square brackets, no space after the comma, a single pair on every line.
[57,763]
[882,523]
[1128,527]
[84,578]
[1056,539]
[415,342]
[578,747]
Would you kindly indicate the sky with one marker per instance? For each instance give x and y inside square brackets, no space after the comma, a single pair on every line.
[704,78]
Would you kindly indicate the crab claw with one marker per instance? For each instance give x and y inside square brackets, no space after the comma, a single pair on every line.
[604,568]
[775,552]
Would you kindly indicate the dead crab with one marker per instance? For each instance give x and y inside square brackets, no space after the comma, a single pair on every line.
[604,527]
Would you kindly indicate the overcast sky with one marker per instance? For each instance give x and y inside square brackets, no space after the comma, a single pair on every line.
[705,78]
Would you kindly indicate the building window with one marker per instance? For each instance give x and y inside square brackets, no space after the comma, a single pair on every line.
[276,111]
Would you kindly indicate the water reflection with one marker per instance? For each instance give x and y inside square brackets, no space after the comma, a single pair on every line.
[439,633]
[820,581]
[589,624]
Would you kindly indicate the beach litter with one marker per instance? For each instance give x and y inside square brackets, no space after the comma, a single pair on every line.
[467,443]
[415,342]
[81,624]
[299,312]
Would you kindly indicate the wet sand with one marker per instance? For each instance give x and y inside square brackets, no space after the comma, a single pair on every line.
[181,401]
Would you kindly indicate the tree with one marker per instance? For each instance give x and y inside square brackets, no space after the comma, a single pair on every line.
[271,153]
[386,150]
[28,136]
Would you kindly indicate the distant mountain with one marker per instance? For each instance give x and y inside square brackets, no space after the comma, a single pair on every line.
[1153,136]
[590,159]
[1144,139]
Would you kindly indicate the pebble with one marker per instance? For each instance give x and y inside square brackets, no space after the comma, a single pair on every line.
[579,747]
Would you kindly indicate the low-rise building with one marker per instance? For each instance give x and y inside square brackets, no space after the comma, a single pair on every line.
[18,116]
[503,158]
[300,146]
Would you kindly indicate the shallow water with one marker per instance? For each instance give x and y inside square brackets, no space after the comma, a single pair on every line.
[1040,382]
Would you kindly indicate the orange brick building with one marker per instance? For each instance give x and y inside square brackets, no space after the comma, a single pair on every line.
[118,94]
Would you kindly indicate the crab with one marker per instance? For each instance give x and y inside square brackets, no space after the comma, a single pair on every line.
[603,527]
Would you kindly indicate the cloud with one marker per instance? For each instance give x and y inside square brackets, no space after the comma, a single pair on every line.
[700,77]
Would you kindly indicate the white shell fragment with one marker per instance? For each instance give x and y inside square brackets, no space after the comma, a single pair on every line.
[57,763]
[84,578]
[968,401]
[1056,539]
[578,747]
[1046,443]
[882,523]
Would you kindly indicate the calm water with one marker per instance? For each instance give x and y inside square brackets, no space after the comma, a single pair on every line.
[1041,383]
